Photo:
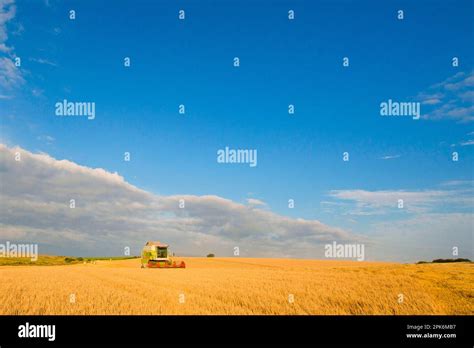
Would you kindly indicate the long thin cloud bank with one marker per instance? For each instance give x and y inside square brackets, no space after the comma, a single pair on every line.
[111,214]
[366,202]
[430,224]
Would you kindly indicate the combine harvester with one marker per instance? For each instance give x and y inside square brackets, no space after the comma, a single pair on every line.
[155,255]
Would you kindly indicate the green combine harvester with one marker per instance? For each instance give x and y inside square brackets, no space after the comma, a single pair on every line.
[156,255]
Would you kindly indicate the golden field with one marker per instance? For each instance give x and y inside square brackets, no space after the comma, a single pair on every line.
[238,286]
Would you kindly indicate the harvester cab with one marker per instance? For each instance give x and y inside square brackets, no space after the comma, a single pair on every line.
[156,255]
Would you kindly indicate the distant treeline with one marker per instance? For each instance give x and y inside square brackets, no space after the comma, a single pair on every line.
[91,259]
[445,261]
[51,260]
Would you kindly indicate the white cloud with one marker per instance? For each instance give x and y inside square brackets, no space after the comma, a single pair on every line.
[10,76]
[37,92]
[111,213]
[458,183]
[431,101]
[43,61]
[7,12]
[468,96]
[390,157]
[450,99]
[467,81]
[255,202]
[4,48]
[46,138]
[386,201]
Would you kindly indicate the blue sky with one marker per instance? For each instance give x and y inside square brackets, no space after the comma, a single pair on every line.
[283,62]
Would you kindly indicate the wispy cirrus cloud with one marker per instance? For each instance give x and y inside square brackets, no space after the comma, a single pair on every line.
[466,183]
[46,138]
[467,142]
[7,13]
[458,194]
[110,214]
[43,61]
[450,99]
[10,75]
[389,157]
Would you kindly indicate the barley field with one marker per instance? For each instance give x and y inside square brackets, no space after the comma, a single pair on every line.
[238,286]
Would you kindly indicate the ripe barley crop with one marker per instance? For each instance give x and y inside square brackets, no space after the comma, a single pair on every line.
[239,286]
